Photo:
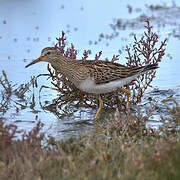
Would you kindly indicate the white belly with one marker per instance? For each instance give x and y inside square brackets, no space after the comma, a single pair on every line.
[89,85]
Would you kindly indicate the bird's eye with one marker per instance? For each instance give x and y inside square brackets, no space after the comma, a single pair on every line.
[48,53]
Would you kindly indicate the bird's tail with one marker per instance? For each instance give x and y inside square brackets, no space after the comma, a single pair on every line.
[150,67]
[143,69]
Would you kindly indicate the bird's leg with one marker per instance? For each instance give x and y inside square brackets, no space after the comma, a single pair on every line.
[100,107]
[127,92]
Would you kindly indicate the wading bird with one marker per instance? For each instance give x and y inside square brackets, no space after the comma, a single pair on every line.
[93,76]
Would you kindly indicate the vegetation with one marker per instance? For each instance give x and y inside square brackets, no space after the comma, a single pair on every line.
[146,50]
[122,148]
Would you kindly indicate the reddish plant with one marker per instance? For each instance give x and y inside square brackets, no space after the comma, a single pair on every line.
[85,55]
[144,51]
[34,137]
[7,134]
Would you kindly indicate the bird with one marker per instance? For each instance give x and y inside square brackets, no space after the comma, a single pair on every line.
[93,76]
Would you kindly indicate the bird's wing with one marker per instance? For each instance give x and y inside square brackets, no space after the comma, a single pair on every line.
[104,72]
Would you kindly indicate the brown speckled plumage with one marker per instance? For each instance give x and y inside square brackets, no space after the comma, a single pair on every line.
[101,71]
[93,76]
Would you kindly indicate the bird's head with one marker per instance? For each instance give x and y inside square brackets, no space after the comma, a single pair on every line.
[48,54]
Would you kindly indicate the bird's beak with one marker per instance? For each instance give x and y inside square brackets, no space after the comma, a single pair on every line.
[35,61]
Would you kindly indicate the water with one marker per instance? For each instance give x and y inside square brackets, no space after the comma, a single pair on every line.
[28,26]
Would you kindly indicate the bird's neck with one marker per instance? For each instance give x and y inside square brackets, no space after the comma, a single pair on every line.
[64,65]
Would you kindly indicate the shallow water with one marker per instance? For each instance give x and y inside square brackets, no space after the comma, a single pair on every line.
[27,27]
